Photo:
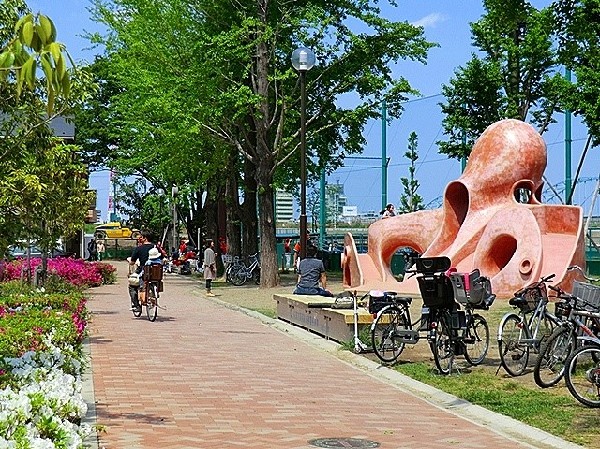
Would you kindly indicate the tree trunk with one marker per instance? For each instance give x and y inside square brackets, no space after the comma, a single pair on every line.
[233,229]
[269,275]
[248,211]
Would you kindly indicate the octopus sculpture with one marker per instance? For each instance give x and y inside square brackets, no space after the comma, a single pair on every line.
[492,218]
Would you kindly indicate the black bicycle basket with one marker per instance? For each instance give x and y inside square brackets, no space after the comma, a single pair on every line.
[379,299]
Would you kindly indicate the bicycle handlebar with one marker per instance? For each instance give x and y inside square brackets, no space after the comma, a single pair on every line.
[582,272]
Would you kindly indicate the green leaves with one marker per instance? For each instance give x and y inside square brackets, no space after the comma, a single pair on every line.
[38,34]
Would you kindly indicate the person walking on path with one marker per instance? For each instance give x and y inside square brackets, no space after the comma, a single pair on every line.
[92,250]
[210,266]
[101,249]
[287,252]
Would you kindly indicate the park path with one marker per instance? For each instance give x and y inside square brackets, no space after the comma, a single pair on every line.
[207,375]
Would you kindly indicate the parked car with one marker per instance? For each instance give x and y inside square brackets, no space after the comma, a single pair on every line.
[16,251]
[115,230]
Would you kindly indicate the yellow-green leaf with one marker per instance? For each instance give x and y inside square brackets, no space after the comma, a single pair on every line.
[56,52]
[22,20]
[66,85]
[31,75]
[27,33]
[41,34]
[48,27]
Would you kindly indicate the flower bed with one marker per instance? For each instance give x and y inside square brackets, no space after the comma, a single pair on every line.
[41,356]
[77,272]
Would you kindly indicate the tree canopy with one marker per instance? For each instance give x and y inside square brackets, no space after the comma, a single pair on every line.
[207,87]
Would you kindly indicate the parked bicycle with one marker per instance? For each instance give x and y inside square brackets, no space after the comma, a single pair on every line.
[242,273]
[233,263]
[579,313]
[449,330]
[582,371]
[522,332]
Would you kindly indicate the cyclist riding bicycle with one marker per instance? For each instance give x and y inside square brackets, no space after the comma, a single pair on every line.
[140,254]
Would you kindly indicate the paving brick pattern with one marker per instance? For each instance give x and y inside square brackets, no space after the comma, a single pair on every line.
[206,376]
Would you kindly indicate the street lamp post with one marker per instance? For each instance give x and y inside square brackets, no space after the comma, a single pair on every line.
[174,192]
[303,59]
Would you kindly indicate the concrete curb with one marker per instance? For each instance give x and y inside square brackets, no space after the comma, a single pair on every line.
[501,424]
[87,391]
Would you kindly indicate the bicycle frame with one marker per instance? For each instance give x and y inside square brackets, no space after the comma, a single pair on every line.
[539,314]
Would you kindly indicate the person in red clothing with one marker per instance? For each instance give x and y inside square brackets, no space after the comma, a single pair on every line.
[287,252]
[296,255]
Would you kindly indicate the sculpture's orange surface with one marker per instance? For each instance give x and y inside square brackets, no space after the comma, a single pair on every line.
[491,219]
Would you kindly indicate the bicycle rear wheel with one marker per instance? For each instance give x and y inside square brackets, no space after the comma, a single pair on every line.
[442,346]
[582,375]
[152,302]
[238,277]
[386,342]
[477,340]
[514,354]
[550,366]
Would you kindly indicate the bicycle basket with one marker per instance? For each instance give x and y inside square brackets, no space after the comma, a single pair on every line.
[529,297]
[378,300]
[227,258]
[589,293]
[562,309]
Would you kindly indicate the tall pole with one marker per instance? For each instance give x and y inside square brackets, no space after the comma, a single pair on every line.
[322,218]
[303,59]
[383,154]
[303,228]
[568,182]
[174,191]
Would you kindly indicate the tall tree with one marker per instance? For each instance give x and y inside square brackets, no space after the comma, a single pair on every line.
[410,200]
[42,190]
[578,28]
[224,69]
[516,76]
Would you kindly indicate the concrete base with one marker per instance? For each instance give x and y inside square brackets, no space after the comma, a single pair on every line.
[334,324]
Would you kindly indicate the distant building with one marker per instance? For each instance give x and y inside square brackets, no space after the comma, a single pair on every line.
[284,206]
[335,201]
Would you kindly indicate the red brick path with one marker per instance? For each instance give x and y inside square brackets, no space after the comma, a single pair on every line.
[206,376]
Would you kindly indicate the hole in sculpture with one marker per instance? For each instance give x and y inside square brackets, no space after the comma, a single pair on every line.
[501,251]
[523,192]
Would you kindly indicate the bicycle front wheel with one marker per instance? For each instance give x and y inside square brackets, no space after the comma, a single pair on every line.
[582,375]
[238,277]
[514,354]
[152,302]
[550,366]
[442,346]
[477,340]
[385,339]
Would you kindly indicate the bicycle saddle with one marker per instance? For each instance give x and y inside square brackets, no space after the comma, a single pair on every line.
[517,301]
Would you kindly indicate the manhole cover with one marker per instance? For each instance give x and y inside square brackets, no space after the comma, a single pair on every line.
[343,442]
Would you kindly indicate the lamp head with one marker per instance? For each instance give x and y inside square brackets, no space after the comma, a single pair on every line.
[303,59]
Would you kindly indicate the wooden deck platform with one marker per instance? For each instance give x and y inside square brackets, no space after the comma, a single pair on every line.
[334,324]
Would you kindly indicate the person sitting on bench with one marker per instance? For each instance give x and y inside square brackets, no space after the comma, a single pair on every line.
[310,272]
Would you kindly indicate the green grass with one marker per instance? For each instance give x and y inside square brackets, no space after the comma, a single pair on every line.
[552,410]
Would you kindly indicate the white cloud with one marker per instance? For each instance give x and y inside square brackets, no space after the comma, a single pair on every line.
[430,20]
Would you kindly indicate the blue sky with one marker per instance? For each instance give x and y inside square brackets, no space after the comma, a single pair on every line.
[447,23]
